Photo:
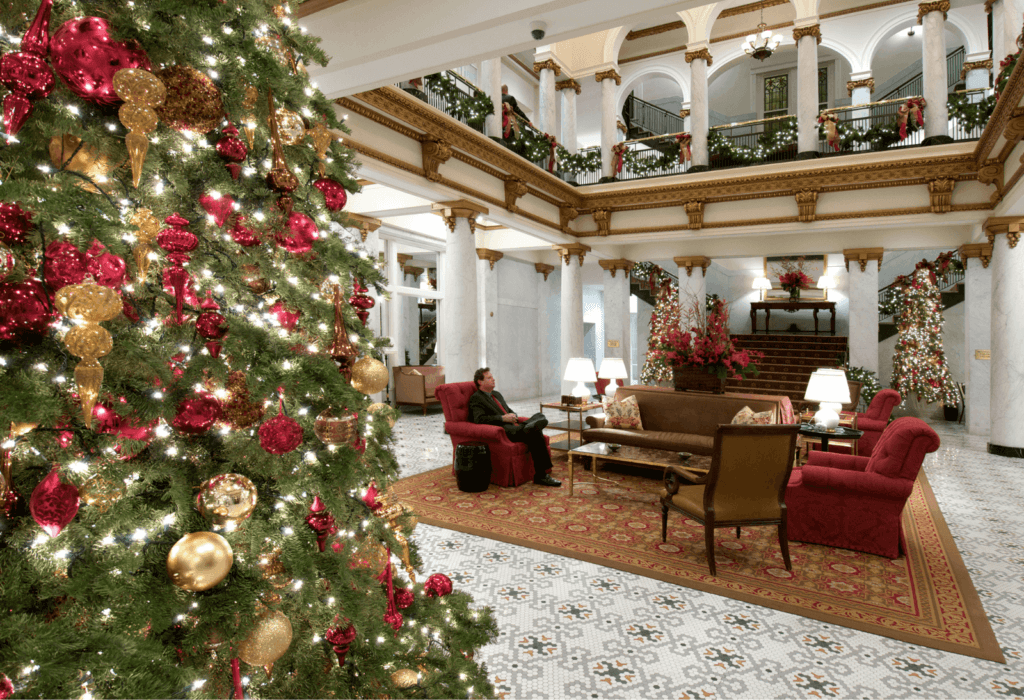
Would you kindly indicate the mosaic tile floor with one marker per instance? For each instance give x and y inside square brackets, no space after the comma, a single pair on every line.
[569,629]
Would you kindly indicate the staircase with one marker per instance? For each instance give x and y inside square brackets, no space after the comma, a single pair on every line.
[950,297]
[788,362]
[647,123]
[914,87]
[951,284]
[640,287]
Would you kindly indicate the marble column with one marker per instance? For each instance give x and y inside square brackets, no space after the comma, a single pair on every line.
[863,264]
[684,114]
[571,311]
[549,342]
[699,60]
[458,312]
[616,310]
[807,39]
[692,287]
[932,17]
[1007,403]
[609,80]
[548,71]
[490,83]
[977,69]
[487,304]
[859,88]
[1006,25]
[570,90]
[977,336]
[396,329]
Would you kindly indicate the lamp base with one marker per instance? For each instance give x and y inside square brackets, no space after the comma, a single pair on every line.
[827,418]
[613,386]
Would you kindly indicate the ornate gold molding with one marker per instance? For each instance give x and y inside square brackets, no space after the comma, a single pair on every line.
[1004,113]
[806,203]
[688,262]
[491,256]
[991,173]
[925,8]
[694,213]
[940,195]
[652,54]
[550,64]
[699,53]
[852,85]
[752,7]
[862,255]
[811,30]
[403,258]
[435,154]
[375,116]
[611,74]
[982,251]
[460,209]
[684,113]
[1010,225]
[544,269]
[603,219]
[410,270]
[975,65]
[616,264]
[567,250]
[514,189]
[569,84]
[565,216]
[366,224]
[659,29]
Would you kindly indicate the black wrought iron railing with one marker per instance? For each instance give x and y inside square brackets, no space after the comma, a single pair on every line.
[950,276]
[756,141]
[452,94]
[649,119]
[915,86]
[588,177]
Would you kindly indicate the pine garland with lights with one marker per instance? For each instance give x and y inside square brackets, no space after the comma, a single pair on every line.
[576,163]
[474,107]
[194,427]
[781,136]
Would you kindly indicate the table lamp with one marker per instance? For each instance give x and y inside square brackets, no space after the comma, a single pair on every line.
[762,284]
[826,282]
[581,370]
[613,369]
[828,388]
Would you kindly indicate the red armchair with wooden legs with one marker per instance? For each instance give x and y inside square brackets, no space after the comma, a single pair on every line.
[856,502]
[511,463]
[872,422]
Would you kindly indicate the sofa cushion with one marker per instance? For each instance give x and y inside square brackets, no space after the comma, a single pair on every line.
[659,440]
[746,416]
[622,414]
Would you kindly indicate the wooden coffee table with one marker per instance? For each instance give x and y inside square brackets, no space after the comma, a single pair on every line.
[637,456]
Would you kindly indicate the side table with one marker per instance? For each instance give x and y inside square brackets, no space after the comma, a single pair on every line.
[840,433]
[567,424]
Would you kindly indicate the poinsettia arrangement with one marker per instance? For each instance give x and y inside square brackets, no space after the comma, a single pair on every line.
[707,345]
[794,280]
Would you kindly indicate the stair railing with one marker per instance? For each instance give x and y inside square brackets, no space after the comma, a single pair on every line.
[915,85]
[950,277]
[651,118]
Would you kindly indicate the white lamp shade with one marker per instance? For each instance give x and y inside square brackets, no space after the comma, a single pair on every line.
[762,283]
[826,282]
[612,368]
[580,369]
[828,386]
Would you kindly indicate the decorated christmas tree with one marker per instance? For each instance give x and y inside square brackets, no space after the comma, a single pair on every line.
[919,364]
[193,479]
[664,318]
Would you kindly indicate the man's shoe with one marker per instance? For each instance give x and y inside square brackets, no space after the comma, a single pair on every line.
[546,480]
[535,424]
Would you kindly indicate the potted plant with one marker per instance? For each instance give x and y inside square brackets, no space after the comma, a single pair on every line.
[793,282]
[704,357]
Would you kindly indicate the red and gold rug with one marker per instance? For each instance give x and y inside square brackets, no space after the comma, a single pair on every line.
[926,597]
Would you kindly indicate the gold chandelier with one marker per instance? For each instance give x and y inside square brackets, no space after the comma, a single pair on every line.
[762,44]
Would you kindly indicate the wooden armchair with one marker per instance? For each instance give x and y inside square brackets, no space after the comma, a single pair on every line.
[746,485]
[415,385]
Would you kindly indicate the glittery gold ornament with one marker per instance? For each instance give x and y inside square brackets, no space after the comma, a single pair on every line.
[239,410]
[335,429]
[253,277]
[405,678]
[322,138]
[249,118]
[67,152]
[227,499]
[268,641]
[273,569]
[88,304]
[369,375]
[281,53]
[280,178]
[369,554]
[199,561]
[388,413]
[193,102]
[147,227]
[100,493]
[141,92]
[290,127]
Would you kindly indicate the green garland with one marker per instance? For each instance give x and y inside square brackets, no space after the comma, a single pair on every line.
[530,143]
[1005,68]
[474,109]
[869,383]
[576,163]
[783,137]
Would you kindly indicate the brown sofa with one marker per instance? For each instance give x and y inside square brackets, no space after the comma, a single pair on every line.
[677,420]
[415,384]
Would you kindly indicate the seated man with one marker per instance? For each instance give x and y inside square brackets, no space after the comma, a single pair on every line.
[487,406]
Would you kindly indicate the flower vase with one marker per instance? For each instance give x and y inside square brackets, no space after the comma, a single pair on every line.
[794,294]
[693,379]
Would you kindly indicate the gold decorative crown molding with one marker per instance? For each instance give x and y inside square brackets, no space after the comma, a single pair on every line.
[435,154]
[925,8]
[603,219]
[549,64]
[862,255]
[1010,225]
[569,84]
[651,31]
[544,269]
[566,251]
[514,189]
[810,30]
[975,65]
[982,251]
[403,258]
[614,264]
[852,85]
[807,203]
[698,53]
[752,7]
[365,224]
[491,256]
[688,262]
[460,209]
[610,74]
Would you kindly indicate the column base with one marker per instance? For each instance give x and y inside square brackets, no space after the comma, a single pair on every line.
[698,169]
[807,155]
[607,178]
[937,140]
[1017,452]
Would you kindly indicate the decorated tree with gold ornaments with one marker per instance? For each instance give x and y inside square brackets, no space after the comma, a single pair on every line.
[193,478]
[665,317]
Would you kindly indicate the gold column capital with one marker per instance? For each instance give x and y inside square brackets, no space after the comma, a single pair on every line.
[862,255]
[810,30]
[688,262]
[982,251]
[614,264]
[365,224]
[569,84]
[1010,225]
[567,250]
[925,8]
[698,53]
[852,85]
[975,65]
[550,64]
[611,74]
[460,209]
[684,113]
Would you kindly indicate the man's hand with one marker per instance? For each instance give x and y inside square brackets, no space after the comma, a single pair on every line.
[510,418]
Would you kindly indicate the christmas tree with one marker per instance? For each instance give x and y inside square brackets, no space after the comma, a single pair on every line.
[919,364]
[193,479]
[664,318]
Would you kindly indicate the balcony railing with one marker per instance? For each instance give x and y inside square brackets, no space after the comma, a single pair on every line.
[756,141]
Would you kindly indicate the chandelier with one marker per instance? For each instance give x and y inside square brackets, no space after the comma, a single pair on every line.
[762,44]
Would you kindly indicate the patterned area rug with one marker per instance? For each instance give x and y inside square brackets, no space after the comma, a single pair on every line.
[926,597]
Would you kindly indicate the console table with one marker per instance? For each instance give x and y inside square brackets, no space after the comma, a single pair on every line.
[782,305]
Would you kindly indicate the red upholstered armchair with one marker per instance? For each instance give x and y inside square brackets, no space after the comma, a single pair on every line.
[511,463]
[855,502]
[874,420]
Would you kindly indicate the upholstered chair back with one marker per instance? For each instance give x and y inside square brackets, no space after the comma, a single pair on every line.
[901,450]
[882,404]
[750,471]
[454,400]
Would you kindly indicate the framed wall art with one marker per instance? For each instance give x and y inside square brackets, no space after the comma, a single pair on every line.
[811,265]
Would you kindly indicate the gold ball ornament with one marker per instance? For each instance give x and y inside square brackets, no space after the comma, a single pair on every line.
[69,153]
[405,678]
[370,554]
[199,561]
[193,102]
[335,430]
[290,127]
[100,493]
[227,499]
[369,375]
[384,410]
[268,641]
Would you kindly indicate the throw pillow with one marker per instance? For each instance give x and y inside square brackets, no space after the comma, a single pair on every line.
[622,414]
[746,416]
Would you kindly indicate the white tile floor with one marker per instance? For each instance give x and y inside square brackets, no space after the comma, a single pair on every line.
[569,629]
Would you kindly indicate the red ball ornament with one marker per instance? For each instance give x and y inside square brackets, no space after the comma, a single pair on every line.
[334,193]
[437,585]
[25,73]
[107,269]
[211,325]
[403,598]
[64,264]
[242,234]
[15,223]
[340,639]
[220,208]
[86,58]
[232,149]
[285,316]
[394,619]
[300,235]
[197,414]
[280,435]
[53,504]
[24,312]
[7,688]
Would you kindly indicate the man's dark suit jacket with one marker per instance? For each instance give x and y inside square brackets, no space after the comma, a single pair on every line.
[482,409]
[515,106]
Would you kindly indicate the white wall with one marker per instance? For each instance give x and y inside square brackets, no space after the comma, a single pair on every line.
[519,347]
[593,312]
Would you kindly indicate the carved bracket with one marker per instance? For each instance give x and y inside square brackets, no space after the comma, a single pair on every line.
[688,262]
[695,213]
[862,255]
[435,154]
[1010,225]
[807,203]
[366,224]
[514,189]
[567,250]
[403,258]
[614,264]
[460,209]
[565,216]
[491,256]
[684,113]
[410,270]
[940,192]
[991,173]
[982,251]
[544,269]
[603,219]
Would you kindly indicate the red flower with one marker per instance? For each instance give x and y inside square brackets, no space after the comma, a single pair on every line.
[794,280]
